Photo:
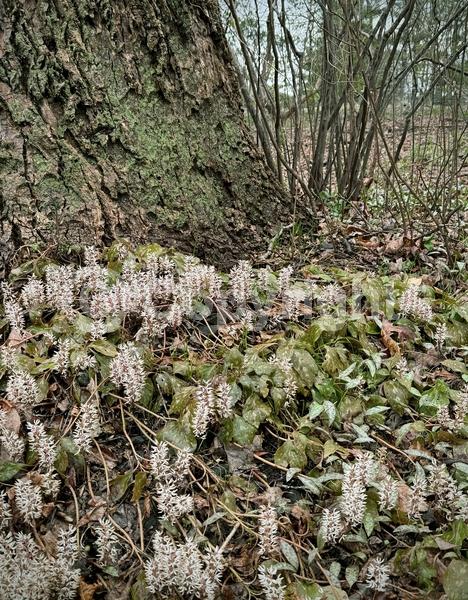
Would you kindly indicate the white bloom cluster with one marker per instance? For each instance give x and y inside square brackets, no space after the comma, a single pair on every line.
[154,290]
[152,325]
[440,335]
[10,441]
[268,531]
[159,264]
[332,525]
[353,496]
[284,279]
[22,390]
[213,399]
[175,315]
[378,574]
[60,288]
[67,545]
[26,572]
[106,542]
[84,361]
[91,256]
[129,267]
[166,265]
[331,295]
[444,418]
[365,471]
[263,278]
[271,583]
[12,308]
[205,398]
[183,569]
[367,468]
[88,425]
[171,503]
[49,483]
[416,502]
[402,366]
[388,492]
[169,476]
[241,280]
[61,357]
[5,512]
[33,293]
[43,444]
[98,329]
[413,305]
[447,494]
[293,300]
[127,370]
[92,276]
[457,421]
[286,367]
[126,296]
[138,290]
[442,485]
[28,500]
[197,281]
[223,400]
[9,358]
[246,317]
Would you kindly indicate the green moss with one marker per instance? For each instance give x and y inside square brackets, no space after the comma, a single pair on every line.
[21,111]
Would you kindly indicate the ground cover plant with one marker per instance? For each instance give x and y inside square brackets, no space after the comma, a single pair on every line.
[168,431]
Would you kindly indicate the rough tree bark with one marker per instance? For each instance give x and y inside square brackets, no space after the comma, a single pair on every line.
[123,119]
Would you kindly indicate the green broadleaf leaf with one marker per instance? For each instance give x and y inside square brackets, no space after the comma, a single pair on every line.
[397,395]
[330,410]
[119,485]
[292,452]
[242,431]
[310,484]
[305,591]
[352,574]
[437,397]
[305,366]
[255,411]
[139,485]
[332,592]
[289,554]
[315,410]
[104,347]
[455,580]
[9,469]
[455,365]
[175,433]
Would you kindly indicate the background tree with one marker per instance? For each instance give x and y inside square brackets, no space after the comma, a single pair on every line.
[361,104]
[124,119]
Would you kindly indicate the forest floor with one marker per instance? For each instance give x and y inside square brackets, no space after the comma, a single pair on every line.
[276,432]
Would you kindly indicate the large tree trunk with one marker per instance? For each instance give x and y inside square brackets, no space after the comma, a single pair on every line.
[123,119]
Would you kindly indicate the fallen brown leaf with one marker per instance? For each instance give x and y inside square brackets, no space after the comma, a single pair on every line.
[370,244]
[11,419]
[96,513]
[147,506]
[442,373]
[387,339]
[87,590]
[395,245]
[16,338]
